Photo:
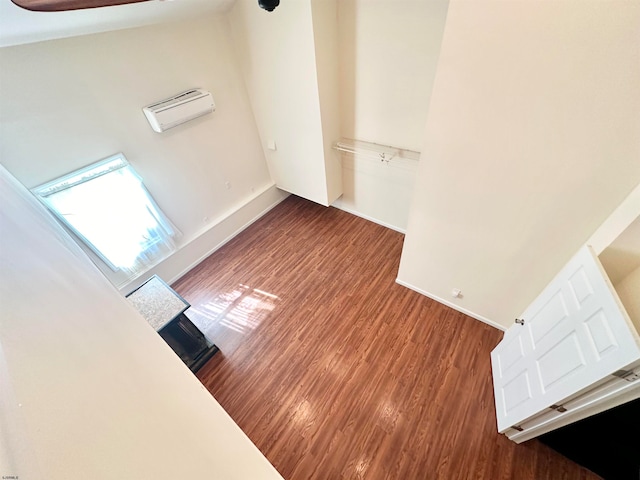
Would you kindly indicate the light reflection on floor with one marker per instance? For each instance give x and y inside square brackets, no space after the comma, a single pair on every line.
[303,413]
[232,314]
[388,414]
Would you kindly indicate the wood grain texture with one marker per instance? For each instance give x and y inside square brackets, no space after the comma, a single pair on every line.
[336,372]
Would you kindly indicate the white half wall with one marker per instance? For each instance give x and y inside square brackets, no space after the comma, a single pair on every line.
[530,144]
[89,389]
[67,103]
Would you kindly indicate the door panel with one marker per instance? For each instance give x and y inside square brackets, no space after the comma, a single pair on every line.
[574,334]
[551,315]
[600,334]
[512,353]
[564,358]
[517,391]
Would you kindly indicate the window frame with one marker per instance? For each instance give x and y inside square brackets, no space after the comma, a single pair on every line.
[84,175]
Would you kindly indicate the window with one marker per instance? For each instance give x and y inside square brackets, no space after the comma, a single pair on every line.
[107,206]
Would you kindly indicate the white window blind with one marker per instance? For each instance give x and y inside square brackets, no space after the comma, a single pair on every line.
[107,206]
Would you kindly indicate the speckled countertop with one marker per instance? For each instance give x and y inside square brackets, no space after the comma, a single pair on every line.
[157,302]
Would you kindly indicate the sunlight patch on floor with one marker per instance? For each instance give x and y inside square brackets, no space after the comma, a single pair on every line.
[240,310]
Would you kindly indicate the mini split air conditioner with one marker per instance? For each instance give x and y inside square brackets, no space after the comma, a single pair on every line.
[178,109]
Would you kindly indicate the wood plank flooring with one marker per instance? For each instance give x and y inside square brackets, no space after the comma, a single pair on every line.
[336,372]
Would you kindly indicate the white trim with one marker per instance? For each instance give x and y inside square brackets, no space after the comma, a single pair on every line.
[230,237]
[230,213]
[82,175]
[617,222]
[452,305]
[612,393]
[367,217]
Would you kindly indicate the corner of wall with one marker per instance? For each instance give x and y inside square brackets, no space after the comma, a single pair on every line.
[441,300]
[615,224]
[225,228]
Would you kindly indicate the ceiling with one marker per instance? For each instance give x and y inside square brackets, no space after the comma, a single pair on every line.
[18,26]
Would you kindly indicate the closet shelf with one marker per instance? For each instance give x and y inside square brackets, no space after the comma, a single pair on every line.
[383,153]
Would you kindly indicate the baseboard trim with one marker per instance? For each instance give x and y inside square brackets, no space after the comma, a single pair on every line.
[236,232]
[173,268]
[451,305]
[367,217]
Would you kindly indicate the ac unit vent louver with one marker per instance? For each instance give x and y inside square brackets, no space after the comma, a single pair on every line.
[179,109]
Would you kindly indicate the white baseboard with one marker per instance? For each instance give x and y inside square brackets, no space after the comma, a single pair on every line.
[339,206]
[205,242]
[452,305]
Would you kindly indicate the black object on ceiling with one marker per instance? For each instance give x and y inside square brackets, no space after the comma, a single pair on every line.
[269,5]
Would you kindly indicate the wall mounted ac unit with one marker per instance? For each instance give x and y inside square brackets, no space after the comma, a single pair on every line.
[178,109]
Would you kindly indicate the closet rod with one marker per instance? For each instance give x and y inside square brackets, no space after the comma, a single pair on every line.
[384,153]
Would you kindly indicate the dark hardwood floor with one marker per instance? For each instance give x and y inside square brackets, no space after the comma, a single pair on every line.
[335,371]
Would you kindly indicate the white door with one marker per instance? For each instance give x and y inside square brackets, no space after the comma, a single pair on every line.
[574,335]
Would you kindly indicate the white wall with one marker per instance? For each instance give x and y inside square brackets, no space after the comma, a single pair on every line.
[19,26]
[622,256]
[531,142]
[388,56]
[324,17]
[89,389]
[376,190]
[628,290]
[277,52]
[67,103]
[627,213]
